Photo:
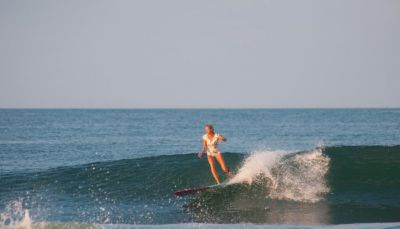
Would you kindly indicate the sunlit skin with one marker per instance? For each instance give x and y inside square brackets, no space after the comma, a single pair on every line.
[211,160]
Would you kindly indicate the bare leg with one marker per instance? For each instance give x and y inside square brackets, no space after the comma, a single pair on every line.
[221,162]
[211,161]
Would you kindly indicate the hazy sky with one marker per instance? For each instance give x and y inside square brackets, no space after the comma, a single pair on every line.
[193,54]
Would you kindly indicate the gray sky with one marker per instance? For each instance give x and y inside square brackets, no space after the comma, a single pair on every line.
[203,53]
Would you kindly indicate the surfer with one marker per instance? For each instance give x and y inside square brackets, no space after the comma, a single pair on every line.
[210,144]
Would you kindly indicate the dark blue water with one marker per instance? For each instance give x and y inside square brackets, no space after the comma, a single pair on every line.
[120,166]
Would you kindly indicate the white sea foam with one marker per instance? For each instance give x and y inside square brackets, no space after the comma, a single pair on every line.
[15,216]
[290,176]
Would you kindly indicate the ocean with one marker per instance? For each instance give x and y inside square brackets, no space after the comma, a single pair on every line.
[118,168]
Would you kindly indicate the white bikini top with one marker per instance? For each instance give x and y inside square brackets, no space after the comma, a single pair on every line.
[212,145]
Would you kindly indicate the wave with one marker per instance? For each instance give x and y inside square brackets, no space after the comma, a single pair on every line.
[298,176]
[340,176]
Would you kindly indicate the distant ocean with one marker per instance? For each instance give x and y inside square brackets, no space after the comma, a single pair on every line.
[89,168]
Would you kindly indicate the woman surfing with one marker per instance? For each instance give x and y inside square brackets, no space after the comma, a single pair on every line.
[210,144]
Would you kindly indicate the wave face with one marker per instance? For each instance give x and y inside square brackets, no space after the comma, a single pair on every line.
[343,184]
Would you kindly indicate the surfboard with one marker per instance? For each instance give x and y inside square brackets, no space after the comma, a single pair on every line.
[189,191]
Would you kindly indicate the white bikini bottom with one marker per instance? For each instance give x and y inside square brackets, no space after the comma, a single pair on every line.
[213,153]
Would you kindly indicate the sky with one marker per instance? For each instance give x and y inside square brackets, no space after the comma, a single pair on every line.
[199,54]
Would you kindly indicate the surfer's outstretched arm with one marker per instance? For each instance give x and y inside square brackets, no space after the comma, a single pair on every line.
[203,149]
[221,138]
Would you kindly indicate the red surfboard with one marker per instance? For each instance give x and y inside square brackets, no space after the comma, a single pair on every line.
[189,191]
